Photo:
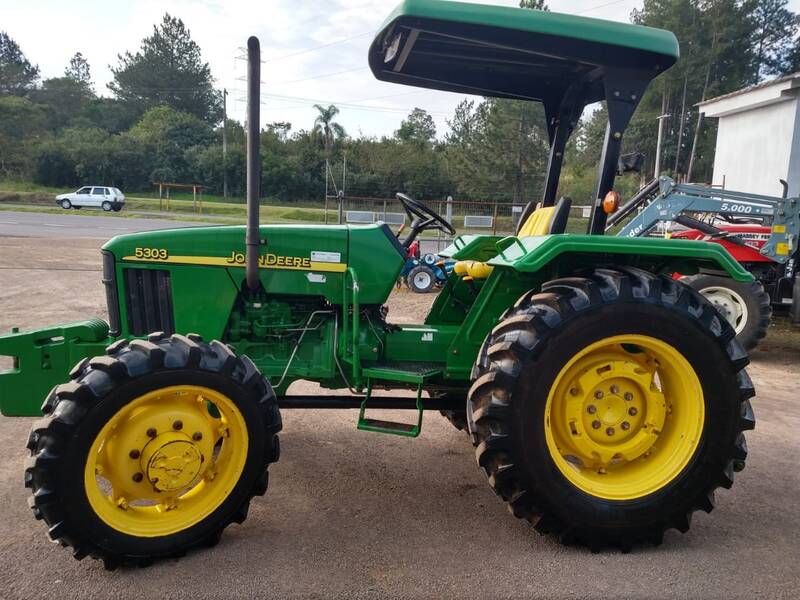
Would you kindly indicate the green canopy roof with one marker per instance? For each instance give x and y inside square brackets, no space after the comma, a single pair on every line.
[512,52]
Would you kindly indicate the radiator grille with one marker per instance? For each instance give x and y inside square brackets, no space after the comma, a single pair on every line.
[148,296]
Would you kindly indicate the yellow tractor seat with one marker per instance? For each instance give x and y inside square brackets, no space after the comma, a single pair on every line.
[542,221]
[539,222]
[548,219]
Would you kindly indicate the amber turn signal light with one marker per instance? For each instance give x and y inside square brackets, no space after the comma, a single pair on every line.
[611,202]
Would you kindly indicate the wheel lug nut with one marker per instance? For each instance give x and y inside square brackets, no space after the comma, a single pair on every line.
[614,389]
[632,411]
[591,409]
[625,426]
[573,391]
[177,425]
[610,431]
[197,436]
[598,394]
[137,477]
[151,432]
[628,396]
[134,453]
[595,424]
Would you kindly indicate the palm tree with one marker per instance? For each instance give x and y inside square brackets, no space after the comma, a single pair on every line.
[327,128]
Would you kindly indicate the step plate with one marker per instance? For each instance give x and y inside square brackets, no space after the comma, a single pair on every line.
[405,372]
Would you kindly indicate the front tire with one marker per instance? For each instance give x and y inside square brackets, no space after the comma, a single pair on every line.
[66,204]
[607,408]
[456,416]
[152,450]
[421,279]
[746,306]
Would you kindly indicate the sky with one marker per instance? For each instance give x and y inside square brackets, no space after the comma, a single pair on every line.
[314,51]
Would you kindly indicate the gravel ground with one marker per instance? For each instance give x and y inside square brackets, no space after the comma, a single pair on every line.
[353,514]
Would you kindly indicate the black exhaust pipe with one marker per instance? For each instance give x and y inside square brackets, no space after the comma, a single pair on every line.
[253,238]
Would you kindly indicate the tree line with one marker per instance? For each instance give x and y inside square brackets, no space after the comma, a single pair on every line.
[163,120]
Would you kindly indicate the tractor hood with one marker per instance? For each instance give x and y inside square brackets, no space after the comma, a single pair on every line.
[294,259]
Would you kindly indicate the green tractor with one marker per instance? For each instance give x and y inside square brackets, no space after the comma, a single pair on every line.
[606,401]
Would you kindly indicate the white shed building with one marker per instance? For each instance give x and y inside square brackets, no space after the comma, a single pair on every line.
[758,141]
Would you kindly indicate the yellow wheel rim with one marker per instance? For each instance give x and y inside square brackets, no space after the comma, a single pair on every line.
[624,417]
[166,461]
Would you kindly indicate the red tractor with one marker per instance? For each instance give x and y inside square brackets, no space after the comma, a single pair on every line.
[760,232]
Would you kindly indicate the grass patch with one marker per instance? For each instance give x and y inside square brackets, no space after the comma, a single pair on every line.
[9,185]
[32,198]
[302,215]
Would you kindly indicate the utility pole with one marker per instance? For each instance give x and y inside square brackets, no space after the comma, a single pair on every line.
[225,143]
[344,172]
[326,181]
[658,144]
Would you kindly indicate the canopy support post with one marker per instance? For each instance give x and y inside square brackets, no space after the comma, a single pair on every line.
[624,90]
[560,128]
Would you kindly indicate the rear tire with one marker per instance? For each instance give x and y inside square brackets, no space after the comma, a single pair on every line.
[66,443]
[106,206]
[520,369]
[746,306]
[421,279]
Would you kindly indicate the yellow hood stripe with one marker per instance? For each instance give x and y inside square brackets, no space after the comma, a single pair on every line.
[222,261]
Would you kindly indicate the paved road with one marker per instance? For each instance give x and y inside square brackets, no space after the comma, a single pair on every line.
[28,224]
[31,224]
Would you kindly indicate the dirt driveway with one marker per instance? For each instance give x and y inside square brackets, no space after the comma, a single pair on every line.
[360,515]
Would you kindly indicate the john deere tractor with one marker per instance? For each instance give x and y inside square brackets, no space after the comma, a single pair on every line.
[605,400]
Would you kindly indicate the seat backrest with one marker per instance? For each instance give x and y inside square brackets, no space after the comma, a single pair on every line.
[558,223]
[539,222]
[547,219]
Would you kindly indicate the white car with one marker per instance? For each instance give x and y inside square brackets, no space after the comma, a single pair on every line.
[107,198]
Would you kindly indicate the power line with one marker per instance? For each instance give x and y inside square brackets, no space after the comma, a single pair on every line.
[580,12]
[358,100]
[384,109]
[320,47]
[320,76]
[300,102]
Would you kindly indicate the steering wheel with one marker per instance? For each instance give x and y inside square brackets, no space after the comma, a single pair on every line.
[422,218]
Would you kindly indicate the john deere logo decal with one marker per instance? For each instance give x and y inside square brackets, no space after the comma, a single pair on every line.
[270,260]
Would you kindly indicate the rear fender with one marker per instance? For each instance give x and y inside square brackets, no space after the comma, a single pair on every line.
[42,359]
[569,253]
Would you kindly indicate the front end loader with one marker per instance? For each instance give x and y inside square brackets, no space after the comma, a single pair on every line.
[605,400]
[760,232]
